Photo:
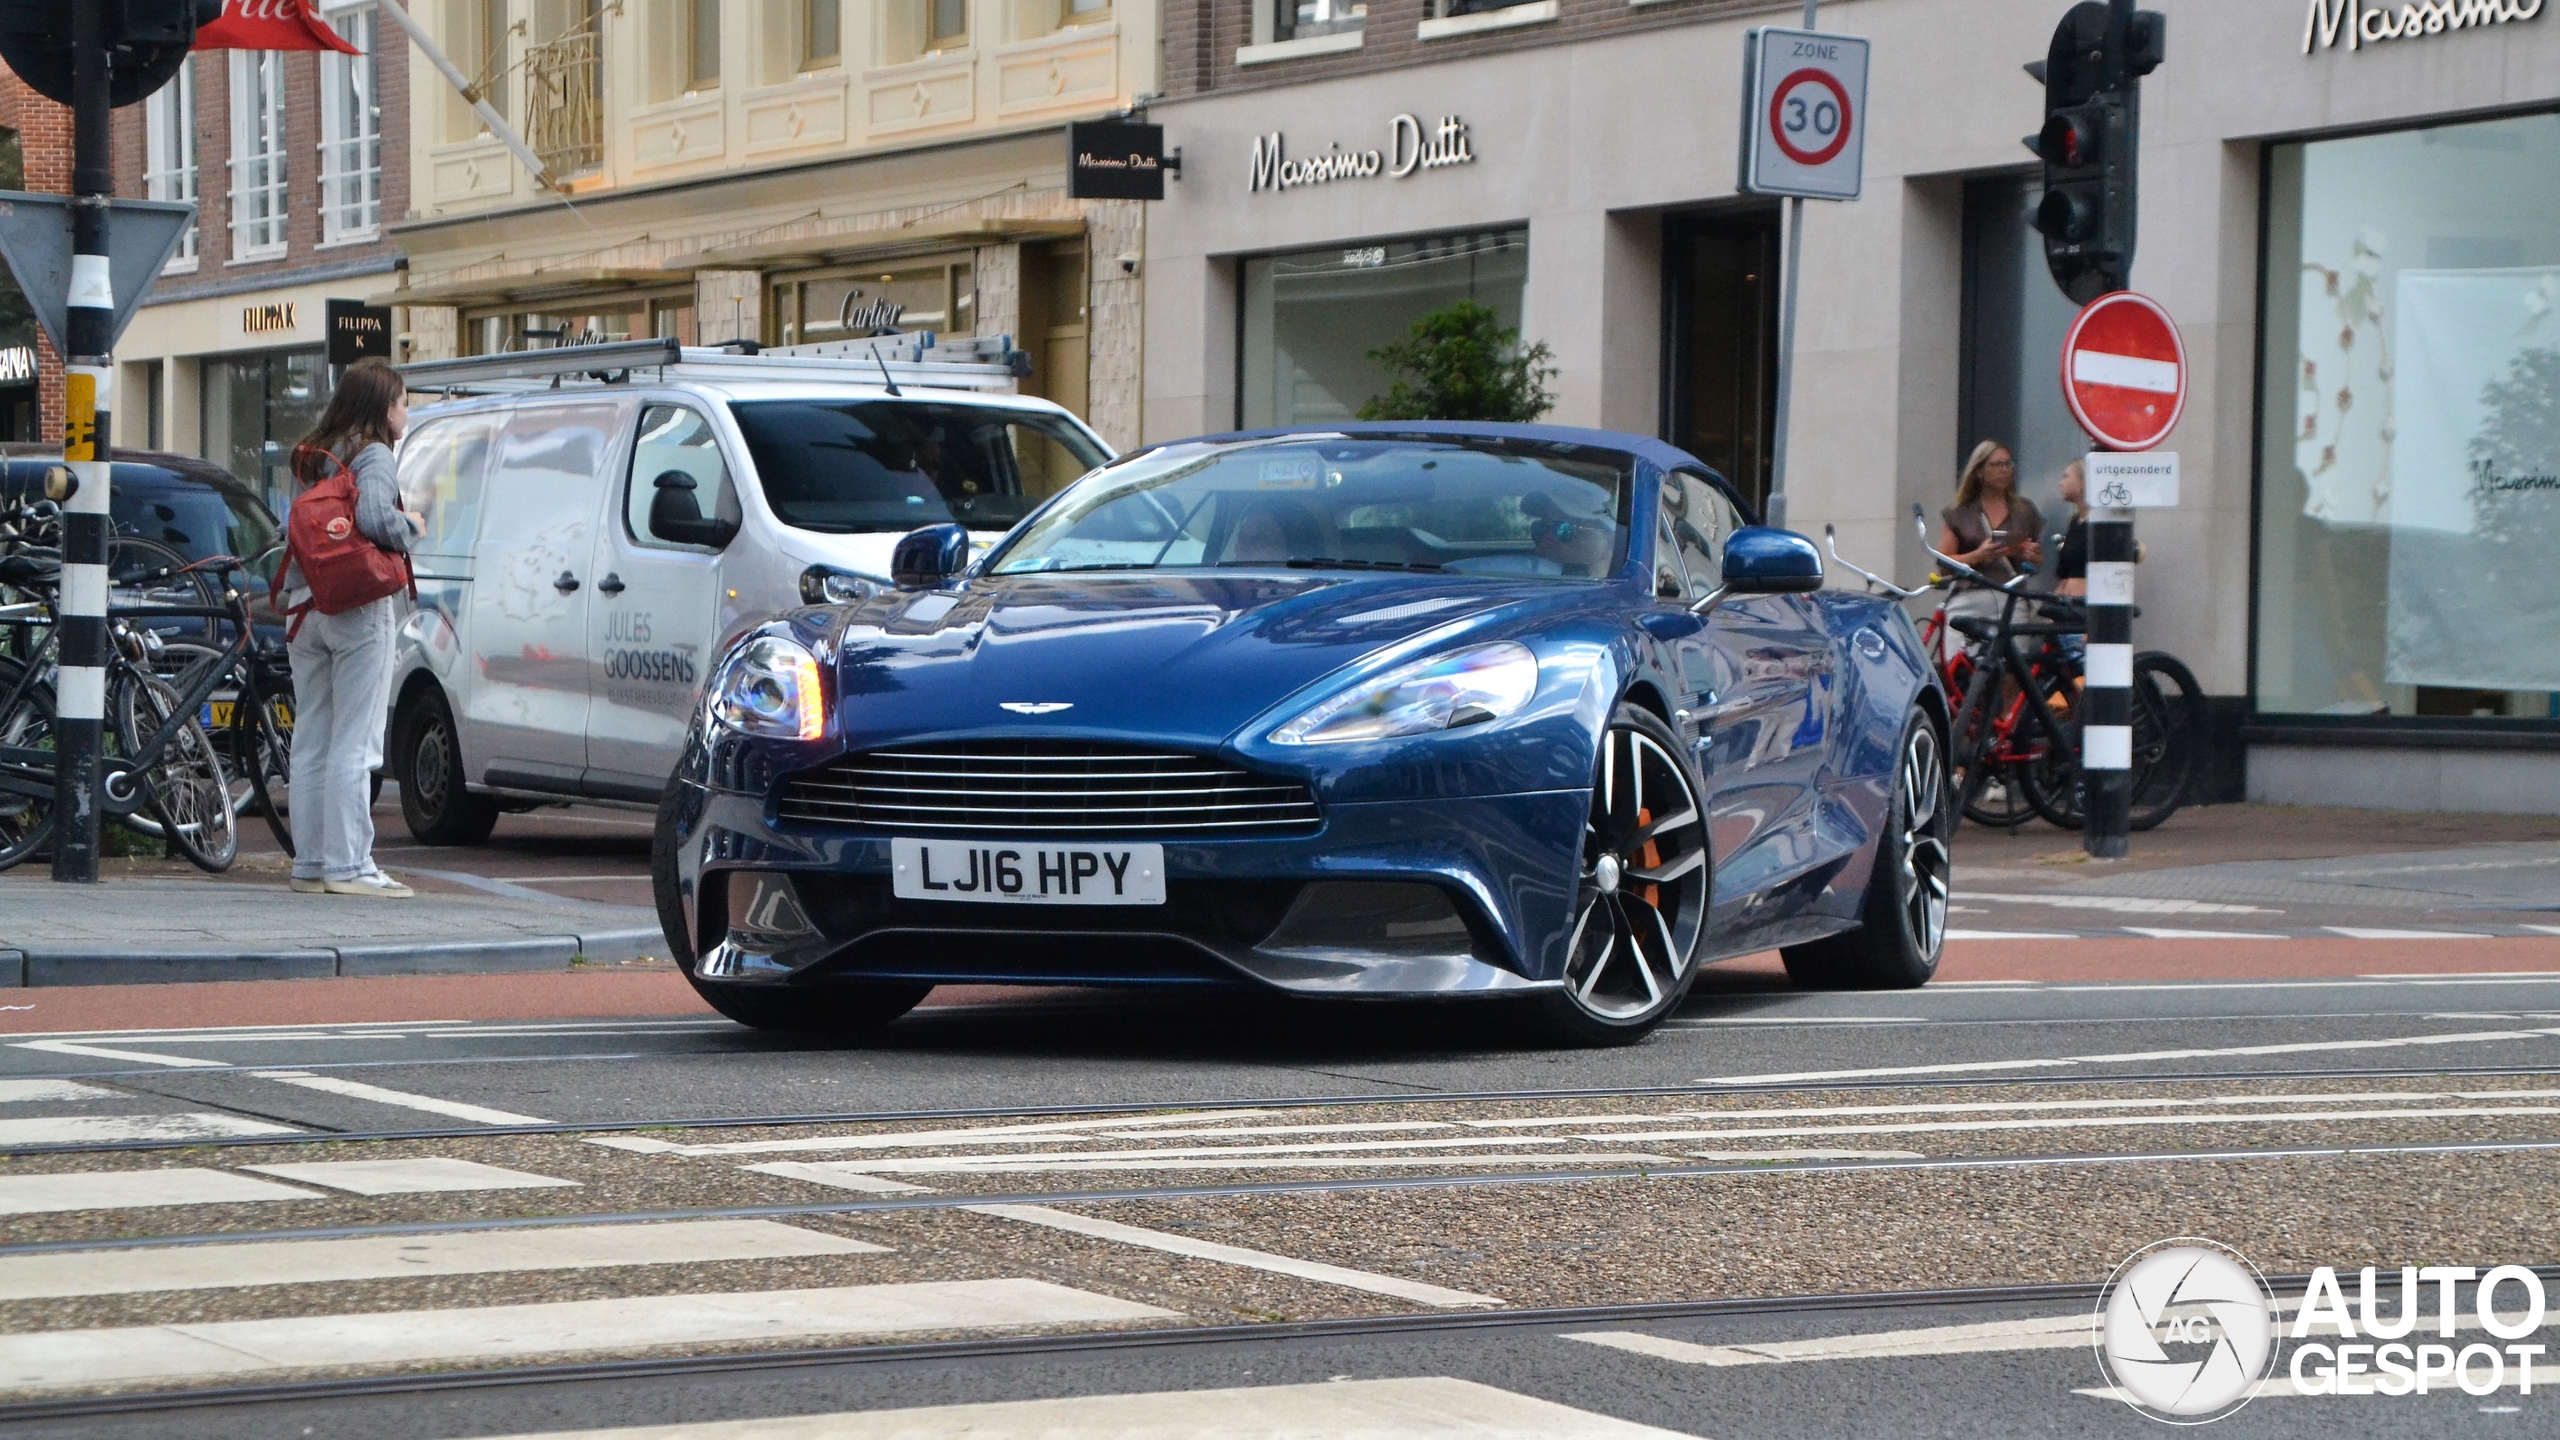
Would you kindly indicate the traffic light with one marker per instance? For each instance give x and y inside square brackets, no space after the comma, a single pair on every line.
[2091,141]
[148,41]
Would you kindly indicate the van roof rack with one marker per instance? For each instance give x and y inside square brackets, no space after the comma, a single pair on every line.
[921,358]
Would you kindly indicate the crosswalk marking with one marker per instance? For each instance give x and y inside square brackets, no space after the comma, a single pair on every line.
[1045,1133]
[2473,1037]
[839,1175]
[1065,1162]
[64,1359]
[1437,1296]
[21,1092]
[2044,1332]
[109,1052]
[2096,1122]
[358,1090]
[407,1177]
[112,1129]
[374,1257]
[1415,1408]
[129,1189]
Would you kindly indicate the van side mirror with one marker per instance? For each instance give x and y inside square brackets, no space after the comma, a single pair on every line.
[929,558]
[675,515]
[1764,560]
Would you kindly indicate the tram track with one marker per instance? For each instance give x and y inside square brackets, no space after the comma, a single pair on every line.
[319,1135]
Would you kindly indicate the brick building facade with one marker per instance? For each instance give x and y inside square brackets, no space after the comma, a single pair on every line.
[43,131]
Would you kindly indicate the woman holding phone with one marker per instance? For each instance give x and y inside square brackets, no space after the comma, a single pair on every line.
[1992,527]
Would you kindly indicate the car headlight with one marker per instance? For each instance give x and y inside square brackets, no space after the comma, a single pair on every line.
[1441,693]
[770,687]
[820,585]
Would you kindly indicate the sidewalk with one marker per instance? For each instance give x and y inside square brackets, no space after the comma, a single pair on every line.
[143,924]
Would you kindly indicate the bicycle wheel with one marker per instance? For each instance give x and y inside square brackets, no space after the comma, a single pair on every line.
[184,785]
[26,821]
[261,748]
[2168,721]
[1986,790]
[146,572]
[181,663]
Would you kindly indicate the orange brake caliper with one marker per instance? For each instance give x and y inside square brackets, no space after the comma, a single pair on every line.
[1652,857]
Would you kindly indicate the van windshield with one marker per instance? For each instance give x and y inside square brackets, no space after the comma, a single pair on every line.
[849,466]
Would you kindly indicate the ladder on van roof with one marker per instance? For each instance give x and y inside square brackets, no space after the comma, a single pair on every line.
[920,358]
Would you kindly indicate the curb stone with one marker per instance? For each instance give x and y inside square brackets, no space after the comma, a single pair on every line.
[523,955]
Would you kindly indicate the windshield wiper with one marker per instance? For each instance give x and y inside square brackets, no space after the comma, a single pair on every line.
[1327,562]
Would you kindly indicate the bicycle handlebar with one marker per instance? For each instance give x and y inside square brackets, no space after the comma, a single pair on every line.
[1831,541]
[1920,522]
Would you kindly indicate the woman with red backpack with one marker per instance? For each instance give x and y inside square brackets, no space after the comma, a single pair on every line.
[346,562]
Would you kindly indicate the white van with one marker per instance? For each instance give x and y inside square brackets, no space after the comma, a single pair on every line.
[602,520]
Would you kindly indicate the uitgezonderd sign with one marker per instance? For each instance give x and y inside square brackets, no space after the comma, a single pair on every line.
[1411,148]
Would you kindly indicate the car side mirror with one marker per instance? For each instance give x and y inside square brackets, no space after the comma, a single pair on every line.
[1764,560]
[675,515]
[929,558]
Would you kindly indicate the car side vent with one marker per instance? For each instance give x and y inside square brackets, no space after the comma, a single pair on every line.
[1043,787]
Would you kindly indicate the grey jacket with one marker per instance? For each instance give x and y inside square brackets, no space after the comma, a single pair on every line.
[378,516]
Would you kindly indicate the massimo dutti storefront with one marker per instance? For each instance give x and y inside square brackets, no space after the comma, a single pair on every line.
[2352,209]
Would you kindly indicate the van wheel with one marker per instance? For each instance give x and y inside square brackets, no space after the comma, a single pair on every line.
[426,759]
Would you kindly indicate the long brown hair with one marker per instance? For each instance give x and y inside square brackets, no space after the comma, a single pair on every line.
[1969,484]
[359,414]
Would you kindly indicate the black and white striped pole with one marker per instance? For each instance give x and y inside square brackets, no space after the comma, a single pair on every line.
[2106,731]
[89,404]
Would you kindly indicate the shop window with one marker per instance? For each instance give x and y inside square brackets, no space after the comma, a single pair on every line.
[1312,317]
[847,302]
[2408,511]
[256,408]
[1297,19]
[169,153]
[257,155]
[1723,324]
[2014,318]
[663,315]
[351,133]
[476,34]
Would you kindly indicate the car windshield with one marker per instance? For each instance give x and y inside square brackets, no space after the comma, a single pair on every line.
[850,466]
[1473,505]
[196,521]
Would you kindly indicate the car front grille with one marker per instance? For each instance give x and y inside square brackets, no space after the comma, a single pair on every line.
[1042,787]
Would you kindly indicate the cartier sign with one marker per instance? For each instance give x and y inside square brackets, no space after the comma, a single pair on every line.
[1410,149]
[2355,24]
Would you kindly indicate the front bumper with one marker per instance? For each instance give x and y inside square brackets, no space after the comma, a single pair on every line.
[1419,898]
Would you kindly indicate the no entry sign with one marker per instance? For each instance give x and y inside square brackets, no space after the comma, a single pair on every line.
[1804,122]
[2124,371]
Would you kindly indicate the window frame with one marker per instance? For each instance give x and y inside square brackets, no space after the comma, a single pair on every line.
[250,69]
[169,124]
[1353,17]
[351,120]
[724,502]
[811,57]
[936,42]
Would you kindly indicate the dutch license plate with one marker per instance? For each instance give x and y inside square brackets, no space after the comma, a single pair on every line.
[1022,872]
[217,715]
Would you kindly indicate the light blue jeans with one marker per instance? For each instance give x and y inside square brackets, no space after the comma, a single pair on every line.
[341,700]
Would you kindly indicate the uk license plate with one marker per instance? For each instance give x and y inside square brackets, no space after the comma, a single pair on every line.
[1022,872]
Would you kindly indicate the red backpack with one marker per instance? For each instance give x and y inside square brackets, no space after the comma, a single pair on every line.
[340,567]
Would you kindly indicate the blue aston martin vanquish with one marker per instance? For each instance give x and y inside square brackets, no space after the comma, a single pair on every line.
[1371,710]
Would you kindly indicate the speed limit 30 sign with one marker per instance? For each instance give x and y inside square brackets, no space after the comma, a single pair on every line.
[1804,118]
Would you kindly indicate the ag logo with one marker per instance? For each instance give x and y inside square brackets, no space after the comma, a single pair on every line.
[2186,1331]
[340,528]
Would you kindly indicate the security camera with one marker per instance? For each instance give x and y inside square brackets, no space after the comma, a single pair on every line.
[1129,264]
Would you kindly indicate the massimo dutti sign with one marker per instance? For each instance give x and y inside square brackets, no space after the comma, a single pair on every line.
[2355,24]
[1410,149]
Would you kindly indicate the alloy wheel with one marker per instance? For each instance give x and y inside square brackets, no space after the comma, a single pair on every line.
[1644,884]
[1922,877]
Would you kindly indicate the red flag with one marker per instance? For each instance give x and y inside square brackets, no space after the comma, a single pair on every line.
[271,25]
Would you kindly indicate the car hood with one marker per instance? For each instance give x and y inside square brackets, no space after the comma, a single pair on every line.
[1165,657]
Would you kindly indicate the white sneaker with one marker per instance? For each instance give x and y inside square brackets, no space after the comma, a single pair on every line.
[307,885]
[376,884]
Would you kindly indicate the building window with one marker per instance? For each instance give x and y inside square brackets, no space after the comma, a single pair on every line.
[821,33]
[1443,9]
[2408,524]
[702,44]
[169,161]
[257,154]
[476,36]
[1312,317]
[350,133]
[946,24]
[563,86]
[1083,12]
[1296,19]
[847,302]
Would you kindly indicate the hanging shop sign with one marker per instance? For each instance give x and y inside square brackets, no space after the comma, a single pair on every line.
[358,331]
[2354,24]
[1117,160]
[17,364]
[1411,148]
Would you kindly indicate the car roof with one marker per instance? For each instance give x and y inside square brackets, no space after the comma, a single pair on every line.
[750,391]
[145,469]
[1644,447]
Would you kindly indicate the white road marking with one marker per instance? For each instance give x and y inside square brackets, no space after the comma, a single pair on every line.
[1362,1128]
[2158,934]
[1774,1156]
[1417,1408]
[1713,1021]
[1978,1107]
[407,1177]
[2010,935]
[2305,1047]
[2544,929]
[1047,1132]
[21,1092]
[840,1175]
[2089,1122]
[152,1353]
[2044,1332]
[581,879]
[1436,1296]
[109,1129]
[2356,933]
[358,1090]
[129,1189]
[375,1257]
[1067,1161]
[2126,904]
[103,1052]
